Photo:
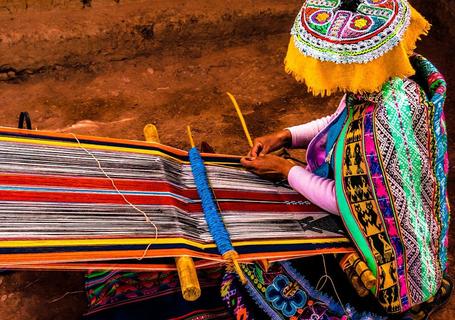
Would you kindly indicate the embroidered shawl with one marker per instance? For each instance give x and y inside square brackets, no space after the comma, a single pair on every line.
[391,169]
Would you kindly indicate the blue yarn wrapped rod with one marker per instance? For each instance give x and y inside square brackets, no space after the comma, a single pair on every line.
[212,216]
[216,225]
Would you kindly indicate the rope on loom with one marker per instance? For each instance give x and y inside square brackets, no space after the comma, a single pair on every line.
[147,219]
[326,277]
[212,216]
[211,210]
[65,295]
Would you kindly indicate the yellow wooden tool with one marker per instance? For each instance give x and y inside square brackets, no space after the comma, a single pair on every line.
[265,263]
[356,282]
[242,119]
[189,282]
[352,260]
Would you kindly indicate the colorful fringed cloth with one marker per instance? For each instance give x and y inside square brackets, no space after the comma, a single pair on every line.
[391,169]
[59,211]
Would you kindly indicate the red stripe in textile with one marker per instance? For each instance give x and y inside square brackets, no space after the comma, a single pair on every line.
[136,185]
[75,197]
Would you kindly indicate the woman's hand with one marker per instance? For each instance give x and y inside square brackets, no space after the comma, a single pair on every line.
[268,166]
[269,143]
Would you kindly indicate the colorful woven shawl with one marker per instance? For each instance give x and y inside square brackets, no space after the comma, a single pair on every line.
[391,170]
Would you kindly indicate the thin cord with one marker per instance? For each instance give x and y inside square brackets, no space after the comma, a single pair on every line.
[318,286]
[147,219]
[327,277]
[32,283]
[66,294]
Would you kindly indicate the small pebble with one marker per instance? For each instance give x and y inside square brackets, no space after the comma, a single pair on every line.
[150,70]
[4,297]
[11,74]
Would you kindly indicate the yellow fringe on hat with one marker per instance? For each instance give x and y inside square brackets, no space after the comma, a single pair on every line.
[325,77]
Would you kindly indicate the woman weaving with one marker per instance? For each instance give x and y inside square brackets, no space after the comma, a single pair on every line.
[380,161]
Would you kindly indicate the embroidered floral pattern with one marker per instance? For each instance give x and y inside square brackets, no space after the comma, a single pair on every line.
[285,295]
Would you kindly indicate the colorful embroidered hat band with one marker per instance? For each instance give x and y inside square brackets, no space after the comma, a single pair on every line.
[334,49]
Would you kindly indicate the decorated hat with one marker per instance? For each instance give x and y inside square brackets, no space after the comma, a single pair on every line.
[353,45]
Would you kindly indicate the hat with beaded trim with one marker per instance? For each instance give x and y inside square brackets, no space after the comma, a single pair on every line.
[353,45]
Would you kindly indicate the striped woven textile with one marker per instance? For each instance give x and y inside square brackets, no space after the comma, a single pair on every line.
[58,210]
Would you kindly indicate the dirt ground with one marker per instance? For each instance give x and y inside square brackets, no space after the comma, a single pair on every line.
[118,98]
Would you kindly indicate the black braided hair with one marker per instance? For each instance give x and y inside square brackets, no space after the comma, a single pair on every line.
[350,5]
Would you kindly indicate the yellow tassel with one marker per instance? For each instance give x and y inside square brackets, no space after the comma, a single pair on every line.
[325,77]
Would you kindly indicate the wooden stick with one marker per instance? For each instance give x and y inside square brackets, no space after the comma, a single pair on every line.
[265,262]
[190,136]
[189,282]
[242,120]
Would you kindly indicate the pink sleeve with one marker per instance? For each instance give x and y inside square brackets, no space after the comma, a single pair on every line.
[318,190]
[304,133]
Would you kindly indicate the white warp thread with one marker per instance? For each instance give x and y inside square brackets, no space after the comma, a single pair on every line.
[147,219]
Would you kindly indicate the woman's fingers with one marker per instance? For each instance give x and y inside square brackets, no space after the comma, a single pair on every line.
[248,162]
[260,149]
[255,164]
[267,164]
[265,144]
[265,149]
[256,149]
